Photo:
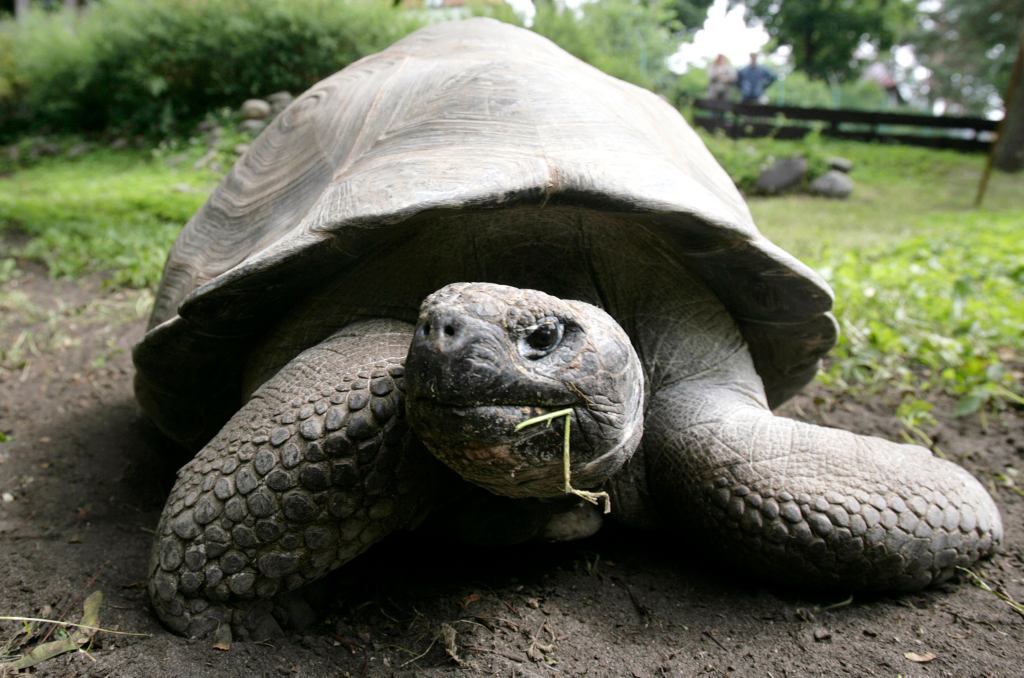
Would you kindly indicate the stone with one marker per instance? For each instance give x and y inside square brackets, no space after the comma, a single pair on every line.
[255,109]
[78,150]
[783,174]
[279,101]
[832,184]
[840,164]
[252,126]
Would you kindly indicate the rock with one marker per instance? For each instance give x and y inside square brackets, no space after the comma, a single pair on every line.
[255,109]
[840,163]
[42,148]
[783,174]
[78,150]
[240,149]
[119,144]
[253,126]
[279,101]
[832,184]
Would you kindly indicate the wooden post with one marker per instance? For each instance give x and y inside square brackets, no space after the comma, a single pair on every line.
[20,8]
[1011,89]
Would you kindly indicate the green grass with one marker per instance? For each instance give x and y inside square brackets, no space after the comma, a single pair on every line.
[929,291]
[942,310]
[116,212]
[898,191]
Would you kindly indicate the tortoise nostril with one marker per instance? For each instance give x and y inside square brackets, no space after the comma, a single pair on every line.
[425,329]
[449,330]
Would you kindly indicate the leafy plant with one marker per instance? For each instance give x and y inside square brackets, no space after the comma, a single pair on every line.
[157,65]
[942,311]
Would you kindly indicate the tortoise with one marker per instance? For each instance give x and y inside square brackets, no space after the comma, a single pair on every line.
[470,231]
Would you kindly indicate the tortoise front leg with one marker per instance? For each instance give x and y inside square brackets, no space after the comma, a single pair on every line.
[809,505]
[315,468]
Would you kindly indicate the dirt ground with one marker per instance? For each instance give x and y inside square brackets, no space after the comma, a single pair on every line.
[83,478]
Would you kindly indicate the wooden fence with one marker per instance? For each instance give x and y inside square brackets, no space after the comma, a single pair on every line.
[794,122]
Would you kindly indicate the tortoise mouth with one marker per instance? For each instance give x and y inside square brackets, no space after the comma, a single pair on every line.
[480,442]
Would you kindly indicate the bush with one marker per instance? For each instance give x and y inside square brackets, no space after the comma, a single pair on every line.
[624,38]
[629,39]
[154,65]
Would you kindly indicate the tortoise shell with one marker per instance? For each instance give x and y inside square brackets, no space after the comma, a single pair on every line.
[474,114]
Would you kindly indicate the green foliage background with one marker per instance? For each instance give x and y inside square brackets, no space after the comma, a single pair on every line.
[825,33]
[970,46]
[157,66]
[154,65]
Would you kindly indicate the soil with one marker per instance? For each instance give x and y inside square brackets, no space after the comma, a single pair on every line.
[83,478]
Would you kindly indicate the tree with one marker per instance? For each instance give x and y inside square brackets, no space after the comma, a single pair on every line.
[825,34]
[969,46]
[690,13]
[630,39]
[1009,151]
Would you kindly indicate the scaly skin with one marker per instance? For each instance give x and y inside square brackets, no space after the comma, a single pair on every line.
[805,504]
[315,468]
[809,505]
[321,462]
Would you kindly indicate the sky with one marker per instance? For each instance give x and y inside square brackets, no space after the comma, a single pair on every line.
[724,32]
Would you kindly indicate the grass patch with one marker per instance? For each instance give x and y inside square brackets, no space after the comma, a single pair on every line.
[898,191]
[117,212]
[929,291]
[942,311]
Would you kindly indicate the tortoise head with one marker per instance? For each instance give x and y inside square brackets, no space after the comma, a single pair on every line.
[485,358]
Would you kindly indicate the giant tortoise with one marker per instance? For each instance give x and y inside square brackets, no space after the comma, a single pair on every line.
[463,233]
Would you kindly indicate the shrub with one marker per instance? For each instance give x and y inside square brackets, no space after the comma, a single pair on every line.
[624,38]
[153,65]
[629,39]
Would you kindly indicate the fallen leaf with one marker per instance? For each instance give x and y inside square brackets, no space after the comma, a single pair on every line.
[80,635]
[447,635]
[469,600]
[919,658]
[222,638]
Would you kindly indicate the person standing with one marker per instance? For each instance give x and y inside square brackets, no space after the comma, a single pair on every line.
[721,77]
[753,79]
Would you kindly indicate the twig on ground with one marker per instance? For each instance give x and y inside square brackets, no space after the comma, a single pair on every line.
[984,586]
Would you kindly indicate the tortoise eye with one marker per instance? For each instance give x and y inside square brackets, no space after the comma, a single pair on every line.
[542,338]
